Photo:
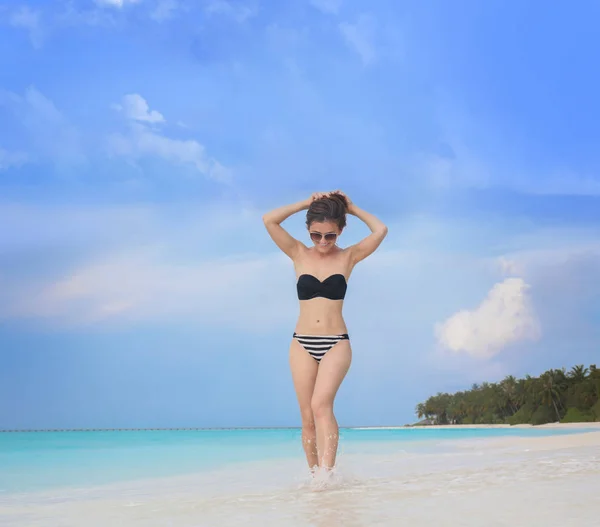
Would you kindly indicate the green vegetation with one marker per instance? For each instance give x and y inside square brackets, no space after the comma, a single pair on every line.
[556,395]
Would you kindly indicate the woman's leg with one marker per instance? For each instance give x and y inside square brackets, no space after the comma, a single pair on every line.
[332,370]
[304,374]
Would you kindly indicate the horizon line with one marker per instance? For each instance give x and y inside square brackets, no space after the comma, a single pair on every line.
[179,428]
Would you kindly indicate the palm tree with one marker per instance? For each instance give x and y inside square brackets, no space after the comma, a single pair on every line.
[509,387]
[578,374]
[521,391]
[550,389]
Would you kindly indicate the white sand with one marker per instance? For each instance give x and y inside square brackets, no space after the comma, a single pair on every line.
[552,481]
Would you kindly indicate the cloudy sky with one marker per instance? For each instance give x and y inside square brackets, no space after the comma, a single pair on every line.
[141,142]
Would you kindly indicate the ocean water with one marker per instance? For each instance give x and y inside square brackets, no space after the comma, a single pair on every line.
[44,460]
[260,477]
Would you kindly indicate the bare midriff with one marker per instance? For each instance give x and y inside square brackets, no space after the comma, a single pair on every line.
[321,316]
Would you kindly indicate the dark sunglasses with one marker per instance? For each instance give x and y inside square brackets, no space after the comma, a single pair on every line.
[329,237]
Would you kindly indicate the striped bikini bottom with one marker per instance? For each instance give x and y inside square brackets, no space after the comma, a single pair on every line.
[318,345]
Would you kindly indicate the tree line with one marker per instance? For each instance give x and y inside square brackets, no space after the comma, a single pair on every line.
[556,395]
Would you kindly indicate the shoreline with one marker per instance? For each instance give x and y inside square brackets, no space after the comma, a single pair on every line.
[595,425]
[531,444]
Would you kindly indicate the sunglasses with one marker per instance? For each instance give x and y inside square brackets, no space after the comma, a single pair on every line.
[317,236]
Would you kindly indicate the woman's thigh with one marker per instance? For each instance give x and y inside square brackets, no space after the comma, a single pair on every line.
[332,370]
[304,374]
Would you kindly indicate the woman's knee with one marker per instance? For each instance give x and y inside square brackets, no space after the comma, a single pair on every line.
[321,407]
[308,420]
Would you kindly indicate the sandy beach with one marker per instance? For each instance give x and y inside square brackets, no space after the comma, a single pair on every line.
[496,481]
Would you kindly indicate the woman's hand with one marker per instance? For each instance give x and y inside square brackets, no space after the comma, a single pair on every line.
[314,196]
[348,200]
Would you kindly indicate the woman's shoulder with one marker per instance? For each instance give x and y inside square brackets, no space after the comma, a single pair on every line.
[302,254]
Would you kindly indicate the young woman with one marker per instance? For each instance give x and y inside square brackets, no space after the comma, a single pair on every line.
[320,352]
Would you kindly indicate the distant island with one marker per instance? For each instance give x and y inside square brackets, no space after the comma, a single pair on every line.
[556,395]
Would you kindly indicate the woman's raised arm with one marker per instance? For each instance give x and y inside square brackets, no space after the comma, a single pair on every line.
[272,220]
[366,246]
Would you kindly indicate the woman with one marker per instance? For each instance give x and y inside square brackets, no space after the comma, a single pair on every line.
[320,352]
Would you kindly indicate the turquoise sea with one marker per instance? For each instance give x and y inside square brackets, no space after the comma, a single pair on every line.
[37,461]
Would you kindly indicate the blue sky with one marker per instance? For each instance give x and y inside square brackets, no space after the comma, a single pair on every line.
[141,142]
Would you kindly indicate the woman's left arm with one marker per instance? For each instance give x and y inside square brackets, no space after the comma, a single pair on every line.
[367,245]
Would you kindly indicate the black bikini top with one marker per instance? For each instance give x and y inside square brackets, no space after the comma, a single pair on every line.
[333,287]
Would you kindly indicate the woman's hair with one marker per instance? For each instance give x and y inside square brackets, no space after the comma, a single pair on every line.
[331,208]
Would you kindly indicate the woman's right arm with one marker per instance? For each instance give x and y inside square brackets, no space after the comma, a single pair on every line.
[272,220]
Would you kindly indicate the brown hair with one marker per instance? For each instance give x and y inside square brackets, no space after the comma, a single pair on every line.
[331,208]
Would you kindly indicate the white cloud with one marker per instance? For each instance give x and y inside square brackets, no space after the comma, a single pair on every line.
[546,249]
[33,226]
[164,10]
[360,37]
[144,284]
[52,135]
[505,316]
[508,266]
[29,20]
[327,6]
[72,16]
[149,269]
[143,141]
[565,274]
[116,3]
[12,159]
[563,183]
[135,107]
[236,10]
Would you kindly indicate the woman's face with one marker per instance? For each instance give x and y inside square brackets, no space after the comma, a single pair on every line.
[324,235]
